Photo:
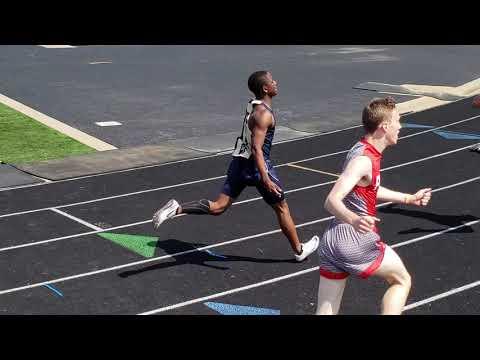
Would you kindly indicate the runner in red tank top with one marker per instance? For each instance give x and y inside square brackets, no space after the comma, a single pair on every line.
[351,244]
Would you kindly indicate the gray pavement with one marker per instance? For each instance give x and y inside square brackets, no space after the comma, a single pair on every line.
[12,177]
[180,93]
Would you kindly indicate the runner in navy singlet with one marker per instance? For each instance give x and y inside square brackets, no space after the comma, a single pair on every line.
[251,166]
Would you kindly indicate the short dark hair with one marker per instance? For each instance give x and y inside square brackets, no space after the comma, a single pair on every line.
[376,112]
[256,82]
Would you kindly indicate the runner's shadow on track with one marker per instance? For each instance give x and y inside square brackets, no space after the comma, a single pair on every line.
[202,258]
[446,220]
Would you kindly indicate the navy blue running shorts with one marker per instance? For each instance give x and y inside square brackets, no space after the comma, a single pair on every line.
[243,172]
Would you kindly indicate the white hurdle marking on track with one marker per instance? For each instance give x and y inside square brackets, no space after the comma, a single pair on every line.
[83,222]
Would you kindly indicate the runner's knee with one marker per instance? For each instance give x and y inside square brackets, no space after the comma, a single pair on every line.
[407,280]
[281,207]
[401,278]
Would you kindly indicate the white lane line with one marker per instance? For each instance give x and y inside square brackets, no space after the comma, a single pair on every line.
[441,296]
[318,134]
[280,278]
[313,170]
[228,292]
[470,223]
[211,179]
[145,261]
[227,152]
[187,160]
[400,138]
[113,197]
[457,184]
[286,192]
[74,218]
[113,268]
[74,236]
[439,127]
[121,171]
[149,220]
[426,158]
[99,62]
[144,222]
[57,46]
[44,181]
[108,123]
[313,158]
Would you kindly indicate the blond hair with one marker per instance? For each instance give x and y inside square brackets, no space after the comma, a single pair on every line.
[376,112]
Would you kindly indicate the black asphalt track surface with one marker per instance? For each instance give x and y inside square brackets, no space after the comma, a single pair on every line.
[97,276]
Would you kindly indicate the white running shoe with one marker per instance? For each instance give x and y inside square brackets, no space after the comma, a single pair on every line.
[307,248]
[166,212]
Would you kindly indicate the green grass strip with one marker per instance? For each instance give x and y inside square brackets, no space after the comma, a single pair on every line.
[24,140]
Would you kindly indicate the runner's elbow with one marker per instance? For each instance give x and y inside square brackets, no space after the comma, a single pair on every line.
[327,205]
[332,202]
[256,149]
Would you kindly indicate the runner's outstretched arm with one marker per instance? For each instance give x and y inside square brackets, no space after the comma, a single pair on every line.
[420,198]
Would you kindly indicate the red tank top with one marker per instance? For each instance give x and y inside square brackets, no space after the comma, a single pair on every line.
[362,200]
